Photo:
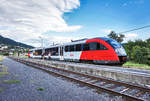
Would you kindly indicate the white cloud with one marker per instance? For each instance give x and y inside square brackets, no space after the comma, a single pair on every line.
[133,2]
[130,36]
[49,40]
[124,4]
[28,19]
[105,31]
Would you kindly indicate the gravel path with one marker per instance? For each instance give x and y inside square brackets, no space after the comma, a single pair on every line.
[36,85]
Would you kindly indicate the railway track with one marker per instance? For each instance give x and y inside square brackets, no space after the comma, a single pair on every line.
[129,92]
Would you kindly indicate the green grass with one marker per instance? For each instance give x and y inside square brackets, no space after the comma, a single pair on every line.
[16,75]
[3,73]
[1,57]
[131,64]
[40,89]
[3,70]
[11,81]
[1,90]
[23,56]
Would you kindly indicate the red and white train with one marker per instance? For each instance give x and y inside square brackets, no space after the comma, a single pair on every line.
[97,50]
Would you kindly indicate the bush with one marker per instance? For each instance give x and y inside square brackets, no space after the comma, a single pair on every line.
[128,48]
[6,54]
[140,54]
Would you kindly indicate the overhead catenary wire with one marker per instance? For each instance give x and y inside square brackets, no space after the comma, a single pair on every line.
[134,29]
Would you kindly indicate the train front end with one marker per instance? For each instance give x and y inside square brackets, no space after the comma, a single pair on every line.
[120,51]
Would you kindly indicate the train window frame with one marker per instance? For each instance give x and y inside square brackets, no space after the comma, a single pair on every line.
[54,51]
[47,51]
[66,48]
[102,47]
[72,48]
[38,52]
[86,47]
[78,47]
[94,46]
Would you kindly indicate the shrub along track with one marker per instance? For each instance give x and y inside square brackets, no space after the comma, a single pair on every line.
[129,92]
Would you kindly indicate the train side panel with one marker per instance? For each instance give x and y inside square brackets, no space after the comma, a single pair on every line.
[100,55]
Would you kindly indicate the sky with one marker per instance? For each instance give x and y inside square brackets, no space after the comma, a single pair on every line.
[59,21]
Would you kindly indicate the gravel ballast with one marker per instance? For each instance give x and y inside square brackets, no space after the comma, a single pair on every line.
[36,85]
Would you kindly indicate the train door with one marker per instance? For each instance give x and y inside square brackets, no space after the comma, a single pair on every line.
[61,53]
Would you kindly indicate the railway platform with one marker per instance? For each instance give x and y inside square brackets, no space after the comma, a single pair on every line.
[130,75]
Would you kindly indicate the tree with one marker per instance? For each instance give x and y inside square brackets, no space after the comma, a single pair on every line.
[113,35]
[140,43]
[117,37]
[148,43]
[138,51]
[140,54]
[128,47]
[148,46]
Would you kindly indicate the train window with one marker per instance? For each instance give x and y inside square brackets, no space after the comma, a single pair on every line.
[97,46]
[86,47]
[72,48]
[78,47]
[66,48]
[93,45]
[38,52]
[100,47]
[47,51]
[54,51]
[104,48]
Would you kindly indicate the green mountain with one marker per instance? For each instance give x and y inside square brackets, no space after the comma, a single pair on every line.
[11,42]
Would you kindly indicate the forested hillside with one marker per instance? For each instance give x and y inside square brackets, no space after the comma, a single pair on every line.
[11,42]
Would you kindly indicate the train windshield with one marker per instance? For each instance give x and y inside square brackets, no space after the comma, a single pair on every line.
[114,43]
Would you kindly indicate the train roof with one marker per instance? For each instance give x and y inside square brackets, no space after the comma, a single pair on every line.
[75,42]
[85,39]
[53,46]
[103,38]
[36,49]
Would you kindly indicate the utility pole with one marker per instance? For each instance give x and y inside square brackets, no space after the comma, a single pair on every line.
[41,41]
